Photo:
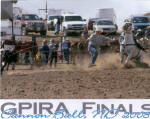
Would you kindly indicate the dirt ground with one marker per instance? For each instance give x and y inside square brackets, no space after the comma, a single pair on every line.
[108,79]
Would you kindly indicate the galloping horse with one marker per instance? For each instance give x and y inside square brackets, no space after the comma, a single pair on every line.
[129,47]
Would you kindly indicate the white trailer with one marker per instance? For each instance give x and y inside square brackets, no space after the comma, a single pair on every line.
[6,24]
[106,13]
[6,29]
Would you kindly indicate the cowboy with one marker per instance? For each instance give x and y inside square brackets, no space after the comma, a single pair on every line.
[53,47]
[95,41]
[139,34]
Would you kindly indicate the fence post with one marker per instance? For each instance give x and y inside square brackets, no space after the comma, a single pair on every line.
[31,59]
[61,49]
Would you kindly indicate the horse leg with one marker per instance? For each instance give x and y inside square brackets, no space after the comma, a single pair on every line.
[140,59]
[7,66]
[128,58]
[3,66]
[121,55]
[13,66]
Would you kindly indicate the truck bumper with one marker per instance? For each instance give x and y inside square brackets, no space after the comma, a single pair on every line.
[35,29]
[109,31]
[74,30]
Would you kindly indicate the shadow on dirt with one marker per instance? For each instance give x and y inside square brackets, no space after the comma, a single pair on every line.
[142,65]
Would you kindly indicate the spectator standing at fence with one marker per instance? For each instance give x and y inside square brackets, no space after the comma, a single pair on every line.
[53,47]
[82,48]
[57,26]
[85,33]
[66,46]
[44,51]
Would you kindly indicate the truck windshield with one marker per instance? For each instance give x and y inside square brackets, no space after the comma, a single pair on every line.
[73,18]
[53,17]
[140,20]
[30,17]
[101,22]
[93,20]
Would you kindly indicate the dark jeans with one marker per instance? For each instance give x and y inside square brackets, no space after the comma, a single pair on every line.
[94,54]
[57,29]
[53,56]
[45,58]
[66,54]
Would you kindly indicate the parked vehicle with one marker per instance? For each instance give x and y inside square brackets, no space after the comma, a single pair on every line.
[51,21]
[139,22]
[72,23]
[107,13]
[32,23]
[91,22]
[107,25]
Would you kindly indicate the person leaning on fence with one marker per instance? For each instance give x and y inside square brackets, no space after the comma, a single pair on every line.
[66,45]
[44,51]
[53,47]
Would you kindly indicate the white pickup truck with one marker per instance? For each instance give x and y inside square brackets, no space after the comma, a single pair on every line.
[107,25]
[72,23]
[107,20]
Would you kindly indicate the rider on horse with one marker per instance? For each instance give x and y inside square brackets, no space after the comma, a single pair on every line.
[127,30]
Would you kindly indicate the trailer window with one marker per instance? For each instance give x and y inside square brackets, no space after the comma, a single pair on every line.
[104,22]
[73,18]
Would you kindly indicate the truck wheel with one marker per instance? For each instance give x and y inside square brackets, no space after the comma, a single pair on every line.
[43,33]
[24,31]
[114,33]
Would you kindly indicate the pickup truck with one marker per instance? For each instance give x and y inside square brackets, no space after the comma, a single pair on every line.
[139,22]
[107,25]
[32,23]
[72,23]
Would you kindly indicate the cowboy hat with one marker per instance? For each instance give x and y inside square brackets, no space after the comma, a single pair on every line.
[99,30]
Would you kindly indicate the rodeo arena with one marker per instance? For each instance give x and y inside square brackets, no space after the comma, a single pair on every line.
[66,56]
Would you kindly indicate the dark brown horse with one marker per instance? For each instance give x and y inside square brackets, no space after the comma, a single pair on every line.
[11,57]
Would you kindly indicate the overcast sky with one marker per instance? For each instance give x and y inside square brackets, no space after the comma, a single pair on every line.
[87,8]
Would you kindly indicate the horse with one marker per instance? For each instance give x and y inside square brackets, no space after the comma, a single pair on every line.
[8,57]
[129,47]
[11,56]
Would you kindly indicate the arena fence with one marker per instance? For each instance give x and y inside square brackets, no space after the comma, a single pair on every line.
[28,58]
